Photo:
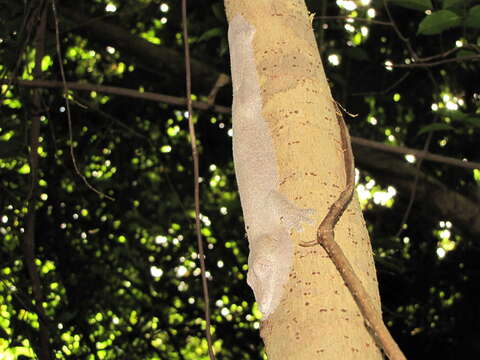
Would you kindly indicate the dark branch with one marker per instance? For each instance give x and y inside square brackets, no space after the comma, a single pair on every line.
[462,210]
[158,58]
[44,352]
[204,105]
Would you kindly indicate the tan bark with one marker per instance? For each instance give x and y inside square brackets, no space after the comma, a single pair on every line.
[315,315]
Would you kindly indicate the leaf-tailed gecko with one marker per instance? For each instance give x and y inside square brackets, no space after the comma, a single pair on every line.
[269,216]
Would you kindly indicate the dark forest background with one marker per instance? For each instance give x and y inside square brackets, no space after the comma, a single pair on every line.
[120,279]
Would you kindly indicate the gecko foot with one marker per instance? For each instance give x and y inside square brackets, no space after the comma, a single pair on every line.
[289,215]
[322,235]
[295,217]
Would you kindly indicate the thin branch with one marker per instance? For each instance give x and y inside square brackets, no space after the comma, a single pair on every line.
[196,179]
[222,80]
[157,58]
[444,54]
[109,15]
[29,239]
[415,185]
[424,61]
[439,62]
[419,61]
[444,202]
[418,153]
[419,165]
[67,103]
[146,95]
[361,297]
[346,18]
[321,29]
[202,105]
[398,32]
[28,23]
[90,107]
[387,90]
[326,238]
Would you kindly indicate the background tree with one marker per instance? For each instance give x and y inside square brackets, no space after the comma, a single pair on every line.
[120,279]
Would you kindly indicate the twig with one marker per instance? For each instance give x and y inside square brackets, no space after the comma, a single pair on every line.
[150,96]
[419,165]
[196,177]
[326,238]
[222,80]
[398,32]
[336,210]
[321,30]
[226,110]
[433,57]
[387,90]
[67,103]
[439,62]
[378,22]
[90,107]
[362,298]
[423,61]
[414,188]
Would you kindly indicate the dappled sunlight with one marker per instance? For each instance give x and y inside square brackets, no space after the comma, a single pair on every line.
[410,158]
[348,5]
[156,272]
[121,279]
[369,193]
[334,59]
[110,7]
[447,241]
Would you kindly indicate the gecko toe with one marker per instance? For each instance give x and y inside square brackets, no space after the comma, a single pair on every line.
[308,243]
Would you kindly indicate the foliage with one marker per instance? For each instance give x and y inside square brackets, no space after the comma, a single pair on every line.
[121,278]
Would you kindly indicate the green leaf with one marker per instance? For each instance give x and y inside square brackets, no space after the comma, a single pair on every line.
[473,17]
[463,53]
[455,115]
[435,127]
[46,62]
[472,121]
[420,5]
[437,22]
[207,35]
[219,12]
[447,4]
[223,46]
[452,114]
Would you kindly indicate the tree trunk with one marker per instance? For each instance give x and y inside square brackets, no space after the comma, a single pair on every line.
[290,168]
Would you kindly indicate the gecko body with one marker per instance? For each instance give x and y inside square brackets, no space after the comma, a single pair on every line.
[269,216]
